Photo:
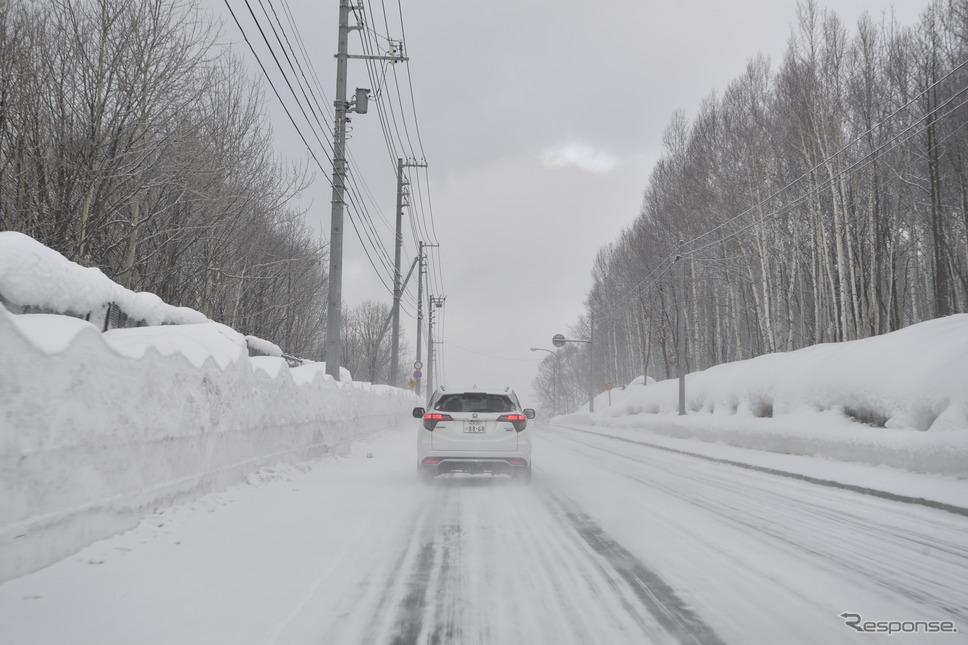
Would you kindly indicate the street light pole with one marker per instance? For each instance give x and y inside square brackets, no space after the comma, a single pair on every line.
[591,362]
[554,385]
[559,341]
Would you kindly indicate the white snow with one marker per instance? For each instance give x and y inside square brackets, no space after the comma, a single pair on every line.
[163,486]
[900,399]
[98,429]
[32,274]
[262,347]
[336,551]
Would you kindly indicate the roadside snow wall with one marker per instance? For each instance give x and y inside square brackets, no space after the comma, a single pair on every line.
[899,399]
[99,429]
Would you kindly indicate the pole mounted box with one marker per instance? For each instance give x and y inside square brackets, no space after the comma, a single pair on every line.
[362,100]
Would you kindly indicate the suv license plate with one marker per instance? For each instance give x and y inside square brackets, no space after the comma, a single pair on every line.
[475,426]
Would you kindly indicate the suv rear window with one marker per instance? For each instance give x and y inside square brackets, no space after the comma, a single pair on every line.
[474,402]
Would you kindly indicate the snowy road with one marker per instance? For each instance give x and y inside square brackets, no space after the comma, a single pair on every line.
[616,541]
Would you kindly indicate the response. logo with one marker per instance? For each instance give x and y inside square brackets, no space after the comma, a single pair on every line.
[891,627]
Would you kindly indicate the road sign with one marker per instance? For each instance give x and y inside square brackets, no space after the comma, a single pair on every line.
[609,386]
[558,340]
[417,373]
[418,365]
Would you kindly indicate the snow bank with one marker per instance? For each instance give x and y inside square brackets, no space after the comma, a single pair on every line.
[99,429]
[900,399]
[96,430]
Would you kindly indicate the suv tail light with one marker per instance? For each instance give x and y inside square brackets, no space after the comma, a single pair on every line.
[431,420]
[519,421]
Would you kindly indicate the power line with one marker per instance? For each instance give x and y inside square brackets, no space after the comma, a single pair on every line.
[273,86]
[359,215]
[398,121]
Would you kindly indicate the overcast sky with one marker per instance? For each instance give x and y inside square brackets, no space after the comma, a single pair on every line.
[540,121]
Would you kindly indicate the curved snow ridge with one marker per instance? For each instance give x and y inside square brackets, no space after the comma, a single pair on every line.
[34,275]
[47,333]
[197,343]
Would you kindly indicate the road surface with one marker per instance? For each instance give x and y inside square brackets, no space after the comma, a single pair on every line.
[616,541]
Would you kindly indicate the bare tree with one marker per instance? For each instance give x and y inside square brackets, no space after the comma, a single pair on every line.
[129,142]
[826,200]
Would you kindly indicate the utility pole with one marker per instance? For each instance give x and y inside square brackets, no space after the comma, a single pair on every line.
[430,348]
[397,287]
[420,274]
[334,301]
[435,303]
[681,330]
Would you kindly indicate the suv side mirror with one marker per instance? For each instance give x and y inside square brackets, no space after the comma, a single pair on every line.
[529,413]
[418,413]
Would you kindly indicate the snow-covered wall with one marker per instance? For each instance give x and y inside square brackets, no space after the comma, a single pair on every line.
[99,429]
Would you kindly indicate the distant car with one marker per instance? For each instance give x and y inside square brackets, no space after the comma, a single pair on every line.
[474,431]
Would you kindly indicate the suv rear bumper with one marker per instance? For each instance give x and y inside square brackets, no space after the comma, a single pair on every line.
[504,465]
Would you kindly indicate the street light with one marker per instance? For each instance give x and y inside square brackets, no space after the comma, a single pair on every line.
[559,340]
[554,385]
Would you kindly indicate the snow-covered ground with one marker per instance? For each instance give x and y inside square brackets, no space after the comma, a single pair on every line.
[159,485]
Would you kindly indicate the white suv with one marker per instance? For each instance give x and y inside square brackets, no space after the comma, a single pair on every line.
[474,431]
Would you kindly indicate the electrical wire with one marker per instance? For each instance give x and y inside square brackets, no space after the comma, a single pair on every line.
[357,191]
